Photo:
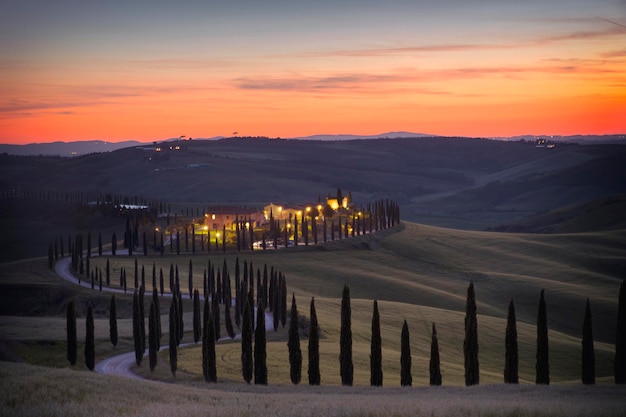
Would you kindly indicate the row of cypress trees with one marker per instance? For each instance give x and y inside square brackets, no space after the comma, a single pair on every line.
[254,358]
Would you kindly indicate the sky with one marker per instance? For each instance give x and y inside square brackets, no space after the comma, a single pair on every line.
[151,70]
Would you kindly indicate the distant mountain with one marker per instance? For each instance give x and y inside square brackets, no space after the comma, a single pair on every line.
[66,148]
[389,135]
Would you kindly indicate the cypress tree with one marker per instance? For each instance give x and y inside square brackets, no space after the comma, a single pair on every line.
[345,339]
[215,315]
[470,344]
[376,356]
[179,306]
[142,317]
[113,244]
[157,308]
[283,300]
[113,322]
[511,361]
[99,244]
[173,338]
[620,337]
[260,355]
[295,354]
[588,355]
[434,366]
[71,333]
[137,329]
[90,342]
[314,347]
[153,337]
[197,328]
[210,348]
[108,273]
[406,379]
[190,279]
[161,283]
[542,366]
[246,343]
[205,340]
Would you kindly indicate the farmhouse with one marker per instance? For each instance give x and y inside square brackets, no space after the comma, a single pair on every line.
[218,217]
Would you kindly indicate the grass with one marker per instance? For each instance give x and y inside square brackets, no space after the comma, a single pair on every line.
[27,391]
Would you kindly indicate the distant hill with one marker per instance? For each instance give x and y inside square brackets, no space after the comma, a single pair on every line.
[66,148]
[388,135]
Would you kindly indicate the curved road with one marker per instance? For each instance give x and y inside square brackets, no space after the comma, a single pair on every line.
[121,364]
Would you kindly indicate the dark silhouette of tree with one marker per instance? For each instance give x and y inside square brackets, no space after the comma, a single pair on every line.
[99,244]
[589,357]
[197,327]
[142,317]
[314,347]
[173,339]
[190,279]
[113,244]
[90,342]
[113,322]
[137,329]
[620,337]
[179,307]
[157,307]
[435,364]
[511,361]
[211,358]
[215,315]
[71,333]
[108,273]
[406,379]
[247,364]
[470,344]
[260,355]
[543,364]
[376,354]
[153,337]
[345,339]
[295,354]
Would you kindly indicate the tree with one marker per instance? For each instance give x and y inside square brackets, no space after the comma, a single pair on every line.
[71,333]
[345,339]
[589,358]
[90,342]
[260,355]
[228,321]
[470,344]
[211,363]
[246,343]
[113,322]
[190,279]
[620,337]
[197,328]
[511,361]
[173,338]
[295,354]
[435,365]
[542,366]
[99,244]
[376,354]
[314,347]
[137,330]
[153,337]
[406,380]
[113,244]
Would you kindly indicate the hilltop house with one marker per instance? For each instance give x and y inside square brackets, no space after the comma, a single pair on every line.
[218,217]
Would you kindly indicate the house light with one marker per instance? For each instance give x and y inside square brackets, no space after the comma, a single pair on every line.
[213,216]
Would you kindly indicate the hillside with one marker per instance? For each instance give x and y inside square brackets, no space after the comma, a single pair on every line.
[452,182]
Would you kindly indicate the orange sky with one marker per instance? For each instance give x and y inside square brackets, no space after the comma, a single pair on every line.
[124,73]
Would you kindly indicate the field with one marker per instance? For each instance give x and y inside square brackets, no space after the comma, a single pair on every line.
[416,272]
[571,197]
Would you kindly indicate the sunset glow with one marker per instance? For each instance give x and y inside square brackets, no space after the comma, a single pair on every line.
[155,70]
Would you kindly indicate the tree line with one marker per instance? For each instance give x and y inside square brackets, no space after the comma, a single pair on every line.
[253,337]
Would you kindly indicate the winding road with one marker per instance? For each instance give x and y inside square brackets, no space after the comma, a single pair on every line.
[121,364]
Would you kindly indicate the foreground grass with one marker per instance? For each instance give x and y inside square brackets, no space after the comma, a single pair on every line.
[27,391]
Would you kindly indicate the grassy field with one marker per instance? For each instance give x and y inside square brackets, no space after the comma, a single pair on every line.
[416,272]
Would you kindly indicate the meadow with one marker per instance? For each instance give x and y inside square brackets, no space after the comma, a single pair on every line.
[416,272]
